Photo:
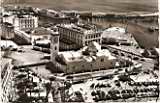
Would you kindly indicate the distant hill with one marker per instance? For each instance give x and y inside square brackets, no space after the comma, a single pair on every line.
[94,5]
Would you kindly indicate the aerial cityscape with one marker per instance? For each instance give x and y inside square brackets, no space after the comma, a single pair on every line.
[93,51]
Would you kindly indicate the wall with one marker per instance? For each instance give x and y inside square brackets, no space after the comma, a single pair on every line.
[81,66]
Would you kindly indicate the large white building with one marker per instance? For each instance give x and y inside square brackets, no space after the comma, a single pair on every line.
[79,34]
[89,58]
[21,21]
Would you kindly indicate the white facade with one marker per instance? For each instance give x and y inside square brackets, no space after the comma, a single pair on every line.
[22,22]
[88,59]
[7,44]
[26,22]
[9,19]
[118,35]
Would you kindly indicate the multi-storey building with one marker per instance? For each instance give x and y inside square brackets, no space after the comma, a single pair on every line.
[79,34]
[22,21]
[6,80]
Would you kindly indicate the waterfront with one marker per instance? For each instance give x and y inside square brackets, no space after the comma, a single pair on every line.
[96,5]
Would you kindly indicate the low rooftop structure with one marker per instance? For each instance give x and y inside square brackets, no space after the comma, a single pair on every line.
[118,35]
[41,35]
[82,28]
[8,44]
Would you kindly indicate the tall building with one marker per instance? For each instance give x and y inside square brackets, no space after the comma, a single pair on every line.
[89,58]
[54,45]
[6,80]
[79,34]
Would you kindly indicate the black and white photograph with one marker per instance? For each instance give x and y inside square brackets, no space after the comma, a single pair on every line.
[79,51]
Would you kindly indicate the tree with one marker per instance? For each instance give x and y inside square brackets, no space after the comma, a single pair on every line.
[124,78]
[20,76]
[48,89]
[93,93]
[79,97]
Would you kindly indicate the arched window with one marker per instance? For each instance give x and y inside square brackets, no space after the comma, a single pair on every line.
[102,60]
[55,48]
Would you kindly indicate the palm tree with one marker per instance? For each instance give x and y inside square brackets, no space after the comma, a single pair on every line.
[48,89]
[20,76]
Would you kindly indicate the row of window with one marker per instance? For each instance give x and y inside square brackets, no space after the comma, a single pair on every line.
[93,36]
[89,41]
[27,26]
[77,37]
[27,21]
[71,34]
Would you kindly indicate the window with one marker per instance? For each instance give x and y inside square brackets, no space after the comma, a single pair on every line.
[94,36]
[102,60]
[86,43]
[74,67]
[88,36]
[55,48]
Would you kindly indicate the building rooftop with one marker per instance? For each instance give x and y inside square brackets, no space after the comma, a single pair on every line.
[24,15]
[9,25]
[119,34]
[82,28]
[74,56]
[40,31]
[8,43]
